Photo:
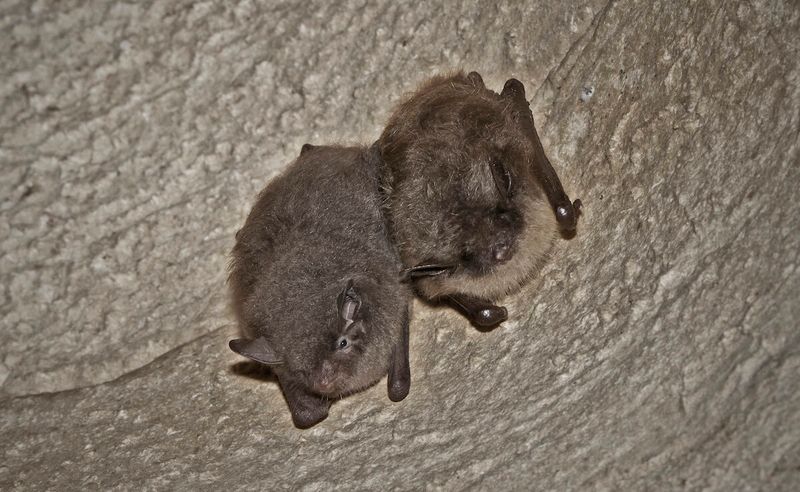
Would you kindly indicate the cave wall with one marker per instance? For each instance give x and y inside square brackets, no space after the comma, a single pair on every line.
[657,349]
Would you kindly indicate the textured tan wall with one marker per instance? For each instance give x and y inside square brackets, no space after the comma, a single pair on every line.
[658,349]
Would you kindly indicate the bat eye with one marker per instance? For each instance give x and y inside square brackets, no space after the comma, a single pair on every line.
[502,178]
[342,343]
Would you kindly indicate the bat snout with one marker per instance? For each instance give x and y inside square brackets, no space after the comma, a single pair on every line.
[325,381]
[501,252]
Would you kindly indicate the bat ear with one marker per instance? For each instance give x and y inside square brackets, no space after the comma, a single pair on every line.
[257,349]
[348,302]
[476,79]
[513,89]
[307,147]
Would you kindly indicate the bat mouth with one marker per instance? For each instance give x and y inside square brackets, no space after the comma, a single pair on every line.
[328,388]
[426,270]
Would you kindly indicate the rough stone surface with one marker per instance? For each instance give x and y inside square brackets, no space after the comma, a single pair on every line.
[134,137]
[659,349]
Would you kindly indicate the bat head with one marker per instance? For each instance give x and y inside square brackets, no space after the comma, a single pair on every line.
[344,355]
[467,181]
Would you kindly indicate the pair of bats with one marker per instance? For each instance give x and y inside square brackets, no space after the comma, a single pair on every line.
[456,202]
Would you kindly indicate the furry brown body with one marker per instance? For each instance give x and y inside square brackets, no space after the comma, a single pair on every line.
[472,201]
[315,283]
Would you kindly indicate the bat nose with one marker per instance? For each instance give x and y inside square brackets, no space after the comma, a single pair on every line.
[501,252]
[326,378]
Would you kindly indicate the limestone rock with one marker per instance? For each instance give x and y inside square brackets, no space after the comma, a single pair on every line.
[659,349]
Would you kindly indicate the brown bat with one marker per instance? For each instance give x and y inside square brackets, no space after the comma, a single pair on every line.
[472,200]
[315,284]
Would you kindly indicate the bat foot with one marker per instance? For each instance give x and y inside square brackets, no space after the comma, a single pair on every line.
[490,316]
[480,312]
